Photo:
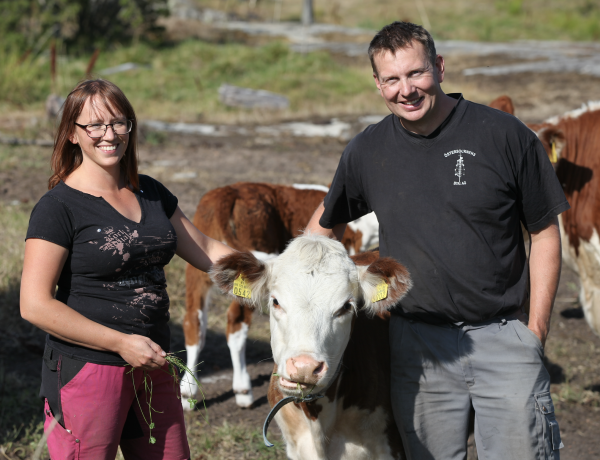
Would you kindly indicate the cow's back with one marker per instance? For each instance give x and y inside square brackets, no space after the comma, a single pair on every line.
[245,216]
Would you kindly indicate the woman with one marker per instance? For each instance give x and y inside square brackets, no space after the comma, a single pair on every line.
[103,234]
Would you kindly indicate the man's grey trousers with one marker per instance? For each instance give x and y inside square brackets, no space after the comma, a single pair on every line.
[439,372]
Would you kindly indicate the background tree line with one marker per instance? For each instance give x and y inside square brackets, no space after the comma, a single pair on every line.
[27,26]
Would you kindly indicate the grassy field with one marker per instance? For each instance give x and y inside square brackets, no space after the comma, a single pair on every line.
[179,81]
[482,20]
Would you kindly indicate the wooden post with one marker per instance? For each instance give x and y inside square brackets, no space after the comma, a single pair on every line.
[53,67]
[92,63]
[307,12]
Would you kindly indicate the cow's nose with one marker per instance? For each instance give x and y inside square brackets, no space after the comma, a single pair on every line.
[305,369]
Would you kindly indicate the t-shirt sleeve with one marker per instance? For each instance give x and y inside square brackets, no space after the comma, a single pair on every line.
[51,220]
[346,200]
[542,197]
[168,200]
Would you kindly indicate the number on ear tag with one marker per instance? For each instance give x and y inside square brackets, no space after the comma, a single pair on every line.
[241,288]
[381,292]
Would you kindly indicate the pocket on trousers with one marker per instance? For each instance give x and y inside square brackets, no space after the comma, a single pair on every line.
[62,444]
[550,430]
[525,333]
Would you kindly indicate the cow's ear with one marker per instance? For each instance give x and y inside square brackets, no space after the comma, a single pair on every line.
[553,140]
[372,278]
[243,276]
[503,103]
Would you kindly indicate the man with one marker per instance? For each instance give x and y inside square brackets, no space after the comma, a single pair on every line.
[450,181]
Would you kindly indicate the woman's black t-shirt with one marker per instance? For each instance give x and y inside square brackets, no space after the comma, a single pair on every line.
[114,272]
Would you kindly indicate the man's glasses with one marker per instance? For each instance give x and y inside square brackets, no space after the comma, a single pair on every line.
[97,130]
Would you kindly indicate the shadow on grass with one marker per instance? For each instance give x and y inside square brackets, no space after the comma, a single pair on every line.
[215,356]
[572,313]
[230,394]
[21,410]
[556,372]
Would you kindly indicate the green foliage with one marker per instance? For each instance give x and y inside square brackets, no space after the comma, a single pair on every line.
[82,25]
[181,82]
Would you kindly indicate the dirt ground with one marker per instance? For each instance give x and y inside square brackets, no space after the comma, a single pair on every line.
[191,165]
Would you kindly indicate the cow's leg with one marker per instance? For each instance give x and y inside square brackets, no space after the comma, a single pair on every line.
[238,321]
[194,325]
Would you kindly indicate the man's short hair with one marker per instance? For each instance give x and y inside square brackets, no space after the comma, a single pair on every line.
[398,35]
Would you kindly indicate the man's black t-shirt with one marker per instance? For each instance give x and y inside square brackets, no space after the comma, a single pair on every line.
[449,206]
[114,271]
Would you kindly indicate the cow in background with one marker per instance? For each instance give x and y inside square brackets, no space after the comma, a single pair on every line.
[329,336]
[503,103]
[572,142]
[247,216]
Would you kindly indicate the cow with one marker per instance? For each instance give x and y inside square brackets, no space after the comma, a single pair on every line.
[503,103]
[329,337]
[572,141]
[255,217]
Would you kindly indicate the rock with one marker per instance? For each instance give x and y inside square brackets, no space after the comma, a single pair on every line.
[54,105]
[234,96]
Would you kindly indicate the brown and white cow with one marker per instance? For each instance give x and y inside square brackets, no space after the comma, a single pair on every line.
[572,142]
[329,336]
[248,217]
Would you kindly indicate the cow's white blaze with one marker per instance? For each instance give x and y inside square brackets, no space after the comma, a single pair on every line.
[316,298]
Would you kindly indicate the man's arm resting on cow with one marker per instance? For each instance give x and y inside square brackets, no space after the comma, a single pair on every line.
[544,269]
[314,227]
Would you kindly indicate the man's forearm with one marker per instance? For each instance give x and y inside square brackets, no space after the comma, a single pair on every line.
[544,269]
[314,227]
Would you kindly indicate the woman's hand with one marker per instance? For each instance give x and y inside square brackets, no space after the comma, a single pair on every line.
[141,353]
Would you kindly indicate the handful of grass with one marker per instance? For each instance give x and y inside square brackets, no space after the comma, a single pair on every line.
[176,364]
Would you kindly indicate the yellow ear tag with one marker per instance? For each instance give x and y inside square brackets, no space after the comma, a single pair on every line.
[554,157]
[241,287]
[381,292]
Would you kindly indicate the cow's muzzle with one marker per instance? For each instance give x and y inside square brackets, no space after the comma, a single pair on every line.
[305,370]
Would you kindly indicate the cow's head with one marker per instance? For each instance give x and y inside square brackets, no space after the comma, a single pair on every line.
[313,289]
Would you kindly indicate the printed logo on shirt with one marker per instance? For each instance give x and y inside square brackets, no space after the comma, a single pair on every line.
[133,281]
[460,170]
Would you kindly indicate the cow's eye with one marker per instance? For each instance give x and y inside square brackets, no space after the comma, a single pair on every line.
[346,308]
[275,303]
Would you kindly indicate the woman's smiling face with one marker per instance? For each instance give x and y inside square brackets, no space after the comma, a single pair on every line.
[107,150]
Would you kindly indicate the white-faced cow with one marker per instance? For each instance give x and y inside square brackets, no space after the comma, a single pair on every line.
[329,336]
[248,217]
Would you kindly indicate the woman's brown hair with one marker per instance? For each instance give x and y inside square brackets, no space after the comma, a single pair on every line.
[67,157]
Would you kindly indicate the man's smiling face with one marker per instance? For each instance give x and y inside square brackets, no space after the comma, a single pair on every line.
[410,85]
